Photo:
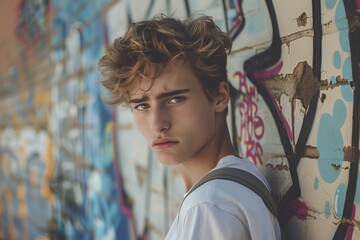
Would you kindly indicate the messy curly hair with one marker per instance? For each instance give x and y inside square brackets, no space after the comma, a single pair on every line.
[148,46]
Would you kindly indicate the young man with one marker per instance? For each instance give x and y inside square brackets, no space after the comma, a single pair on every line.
[173,76]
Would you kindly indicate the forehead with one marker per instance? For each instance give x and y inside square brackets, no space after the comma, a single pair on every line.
[175,75]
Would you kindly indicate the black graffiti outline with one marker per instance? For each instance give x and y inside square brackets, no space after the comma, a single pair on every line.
[263,61]
[267,59]
[354,40]
[295,191]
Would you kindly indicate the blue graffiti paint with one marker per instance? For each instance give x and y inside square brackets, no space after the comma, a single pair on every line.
[347,69]
[31,23]
[37,205]
[59,31]
[330,4]
[80,11]
[11,214]
[327,209]
[330,142]
[340,17]
[342,24]
[332,79]
[344,40]
[256,25]
[337,59]
[103,214]
[94,32]
[357,194]
[339,199]
[316,183]
[346,91]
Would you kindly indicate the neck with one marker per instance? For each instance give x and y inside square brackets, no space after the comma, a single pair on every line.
[192,170]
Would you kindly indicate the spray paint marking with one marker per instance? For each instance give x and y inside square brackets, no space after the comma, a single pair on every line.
[252,126]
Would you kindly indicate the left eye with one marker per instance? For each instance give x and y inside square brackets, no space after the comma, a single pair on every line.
[177,99]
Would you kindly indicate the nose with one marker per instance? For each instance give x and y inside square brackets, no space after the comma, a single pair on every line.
[159,120]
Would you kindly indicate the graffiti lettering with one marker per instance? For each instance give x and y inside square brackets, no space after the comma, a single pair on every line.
[252,127]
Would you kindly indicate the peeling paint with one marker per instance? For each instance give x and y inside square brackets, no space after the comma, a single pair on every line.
[339,82]
[292,37]
[351,154]
[327,25]
[335,165]
[323,97]
[311,152]
[302,19]
[301,84]
[352,84]
[279,167]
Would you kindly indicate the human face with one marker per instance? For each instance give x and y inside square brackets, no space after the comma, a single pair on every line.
[175,116]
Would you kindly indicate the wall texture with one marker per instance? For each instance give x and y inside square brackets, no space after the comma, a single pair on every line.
[73,168]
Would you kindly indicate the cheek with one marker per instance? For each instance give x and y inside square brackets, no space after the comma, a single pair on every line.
[198,117]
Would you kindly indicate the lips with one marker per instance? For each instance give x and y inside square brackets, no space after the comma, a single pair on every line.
[164,143]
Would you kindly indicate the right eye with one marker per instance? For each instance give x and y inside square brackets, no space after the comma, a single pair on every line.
[142,106]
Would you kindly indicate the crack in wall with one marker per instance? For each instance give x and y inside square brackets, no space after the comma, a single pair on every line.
[315,214]
[353,222]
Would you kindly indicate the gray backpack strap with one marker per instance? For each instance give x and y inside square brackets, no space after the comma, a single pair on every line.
[244,178]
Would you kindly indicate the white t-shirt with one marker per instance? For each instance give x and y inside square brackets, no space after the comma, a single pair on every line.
[225,210]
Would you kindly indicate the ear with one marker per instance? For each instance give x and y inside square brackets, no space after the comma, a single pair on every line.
[222,97]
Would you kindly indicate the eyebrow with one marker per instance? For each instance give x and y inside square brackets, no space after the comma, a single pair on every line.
[160,96]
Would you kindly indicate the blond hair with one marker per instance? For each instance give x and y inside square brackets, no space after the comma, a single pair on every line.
[148,46]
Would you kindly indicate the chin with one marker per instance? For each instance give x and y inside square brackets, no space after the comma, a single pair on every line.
[168,161]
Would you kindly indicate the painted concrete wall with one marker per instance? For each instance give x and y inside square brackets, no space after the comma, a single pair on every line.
[73,168]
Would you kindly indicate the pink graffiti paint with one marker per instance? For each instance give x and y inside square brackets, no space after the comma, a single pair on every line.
[238,19]
[300,209]
[262,75]
[252,126]
[235,25]
[358,4]
[283,120]
[297,208]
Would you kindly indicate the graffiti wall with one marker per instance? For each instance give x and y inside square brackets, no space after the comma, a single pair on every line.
[73,168]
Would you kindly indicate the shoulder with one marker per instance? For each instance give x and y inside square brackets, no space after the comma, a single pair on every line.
[227,196]
[220,191]
[227,208]
[244,164]
[208,221]
[229,200]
